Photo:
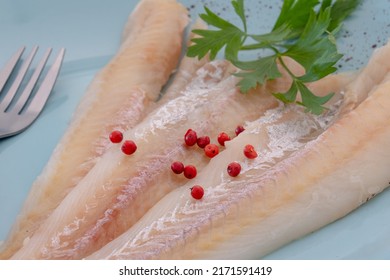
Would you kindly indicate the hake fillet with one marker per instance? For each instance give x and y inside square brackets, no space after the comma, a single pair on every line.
[118,98]
[309,173]
[370,76]
[322,183]
[120,189]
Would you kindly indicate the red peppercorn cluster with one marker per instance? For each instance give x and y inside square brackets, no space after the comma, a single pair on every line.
[128,147]
[211,150]
[190,138]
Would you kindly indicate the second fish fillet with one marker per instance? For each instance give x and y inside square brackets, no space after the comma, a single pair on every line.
[118,98]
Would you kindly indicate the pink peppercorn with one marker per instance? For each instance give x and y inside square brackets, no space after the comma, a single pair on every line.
[190,171]
[203,141]
[197,192]
[177,167]
[190,137]
[129,147]
[234,169]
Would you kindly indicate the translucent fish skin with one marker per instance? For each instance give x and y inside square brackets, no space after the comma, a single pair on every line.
[310,172]
[118,98]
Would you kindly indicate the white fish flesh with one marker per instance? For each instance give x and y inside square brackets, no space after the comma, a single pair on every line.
[118,98]
[119,189]
[292,190]
[310,172]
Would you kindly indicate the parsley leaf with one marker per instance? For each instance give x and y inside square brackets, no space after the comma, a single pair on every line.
[302,31]
[214,40]
[295,14]
[257,72]
[316,52]
[311,102]
[340,10]
[239,9]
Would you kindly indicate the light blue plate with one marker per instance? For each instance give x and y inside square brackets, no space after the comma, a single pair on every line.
[90,31]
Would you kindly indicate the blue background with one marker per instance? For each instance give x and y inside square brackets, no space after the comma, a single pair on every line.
[90,30]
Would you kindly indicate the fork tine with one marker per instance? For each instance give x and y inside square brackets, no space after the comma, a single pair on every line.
[9,67]
[47,85]
[14,88]
[33,80]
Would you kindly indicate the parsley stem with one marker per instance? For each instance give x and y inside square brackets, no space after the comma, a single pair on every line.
[251,47]
[257,46]
[280,59]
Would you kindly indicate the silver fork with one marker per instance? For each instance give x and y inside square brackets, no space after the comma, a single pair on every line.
[16,116]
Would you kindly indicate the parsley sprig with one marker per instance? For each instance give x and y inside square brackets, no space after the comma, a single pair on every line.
[304,31]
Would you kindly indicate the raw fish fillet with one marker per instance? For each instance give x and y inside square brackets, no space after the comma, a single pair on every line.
[120,189]
[186,72]
[118,98]
[370,76]
[115,190]
[310,172]
[321,183]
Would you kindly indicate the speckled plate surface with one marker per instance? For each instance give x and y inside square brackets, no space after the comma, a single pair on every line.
[90,30]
